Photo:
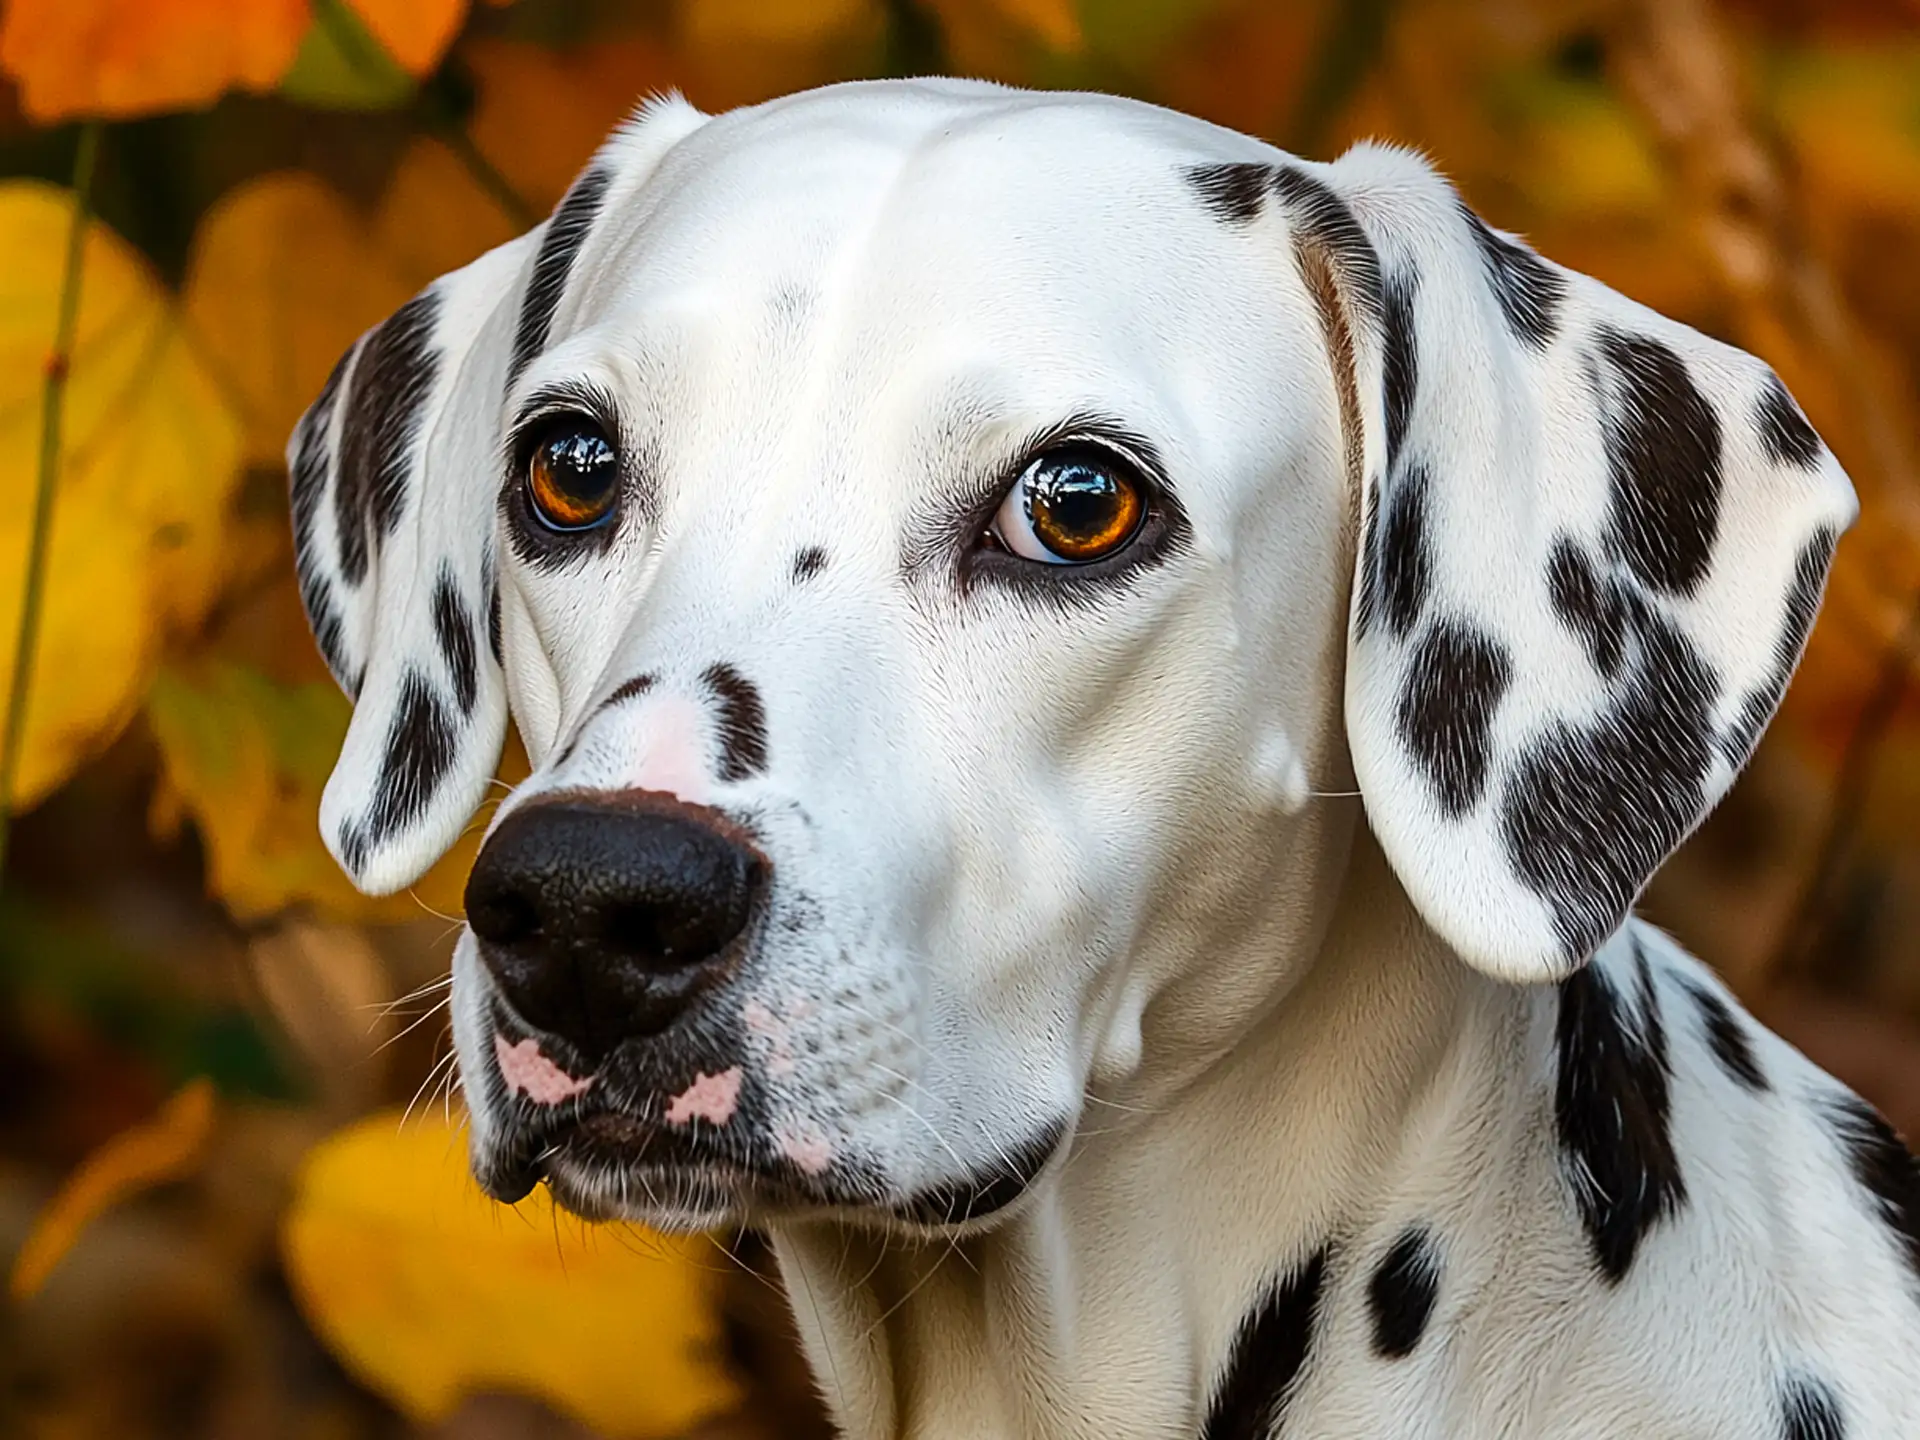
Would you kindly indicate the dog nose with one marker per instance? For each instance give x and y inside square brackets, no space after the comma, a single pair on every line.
[603,917]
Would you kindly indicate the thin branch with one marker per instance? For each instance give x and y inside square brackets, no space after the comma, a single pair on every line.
[52,407]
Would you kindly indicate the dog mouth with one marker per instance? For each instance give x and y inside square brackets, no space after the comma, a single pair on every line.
[709,1157]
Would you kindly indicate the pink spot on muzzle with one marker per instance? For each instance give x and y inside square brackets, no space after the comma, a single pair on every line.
[712,1098]
[806,1145]
[528,1072]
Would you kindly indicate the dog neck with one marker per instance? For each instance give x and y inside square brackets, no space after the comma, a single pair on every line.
[1109,1303]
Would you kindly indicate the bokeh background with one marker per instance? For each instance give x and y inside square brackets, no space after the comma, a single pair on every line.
[232,1200]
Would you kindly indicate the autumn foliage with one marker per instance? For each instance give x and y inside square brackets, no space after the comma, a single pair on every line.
[198,1031]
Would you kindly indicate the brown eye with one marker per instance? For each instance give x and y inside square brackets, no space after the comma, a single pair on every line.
[1071,506]
[573,476]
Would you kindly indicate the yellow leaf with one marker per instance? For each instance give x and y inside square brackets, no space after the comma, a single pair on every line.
[429,1291]
[139,546]
[283,278]
[1056,22]
[163,1149]
[247,757]
[414,32]
[781,22]
[130,57]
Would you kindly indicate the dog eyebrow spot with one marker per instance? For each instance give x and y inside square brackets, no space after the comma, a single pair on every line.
[1401,1293]
[1233,192]
[808,563]
[743,723]
[566,233]
[1269,1351]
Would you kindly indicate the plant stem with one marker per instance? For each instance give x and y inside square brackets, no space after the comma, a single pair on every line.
[52,404]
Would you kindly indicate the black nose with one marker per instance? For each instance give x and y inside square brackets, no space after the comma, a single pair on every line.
[603,916]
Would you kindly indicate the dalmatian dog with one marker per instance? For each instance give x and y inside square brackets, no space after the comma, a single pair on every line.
[1099,697]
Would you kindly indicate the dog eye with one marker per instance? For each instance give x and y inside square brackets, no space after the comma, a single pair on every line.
[1071,506]
[573,476]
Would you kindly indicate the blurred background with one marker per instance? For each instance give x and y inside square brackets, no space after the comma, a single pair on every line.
[232,1195]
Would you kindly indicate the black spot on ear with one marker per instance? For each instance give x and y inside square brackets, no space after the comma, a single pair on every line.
[1401,1293]
[1663,462]
[1883,1165]
[418,754]
[743,723]
[1322,217]
[1595,608]
[566,232]
[1406,557]
[1453,687]
[453,629]
[1528,289]
[1728,1039]
[490,582]
[1611,1112]
[1269,1352]
[307,486]
[1367,600]
[1400,357]
[808,563]
[1233,193]
[391,382]
[1809,1410]
[1784,432]
[1803,603]
[1589,811]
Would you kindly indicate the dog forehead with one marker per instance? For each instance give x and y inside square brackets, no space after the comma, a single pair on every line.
[939,196]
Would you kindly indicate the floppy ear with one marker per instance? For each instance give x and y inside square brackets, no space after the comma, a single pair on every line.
[1593,543]
[396,471]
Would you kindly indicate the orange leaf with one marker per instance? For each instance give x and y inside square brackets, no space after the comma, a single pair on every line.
[131,57]
[163,1149]
[416,33]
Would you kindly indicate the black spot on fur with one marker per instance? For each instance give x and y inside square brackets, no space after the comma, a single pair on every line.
[566,232]
[1595,608]
[1269,1352]
[1453,686]
[1405,573]
[625,691]
[743,723]
[1233,193]
[1401,1293]
[808,563]
[1809,1410]
[307,487]
[1883,1165]
[1590,810]
[1803,603]
[1784,432]
[490,581]
[418,754]
[1728,1039]
[391,382]
[1663,461]
[1611,1111]
[453,628]
[1322,217]
[1400,358]
[1528,289]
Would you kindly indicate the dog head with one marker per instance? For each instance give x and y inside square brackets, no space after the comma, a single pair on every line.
[934,540]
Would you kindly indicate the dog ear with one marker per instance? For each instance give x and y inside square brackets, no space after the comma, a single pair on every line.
[1592,543]
[396,471]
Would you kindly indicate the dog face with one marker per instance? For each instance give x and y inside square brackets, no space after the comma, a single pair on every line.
[934,540]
